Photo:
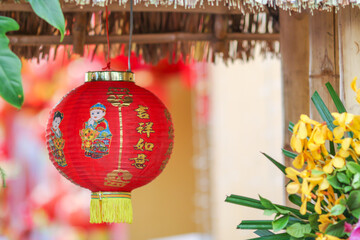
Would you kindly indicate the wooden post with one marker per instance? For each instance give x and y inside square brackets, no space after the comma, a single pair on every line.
[79,33]
[294,39]
[323,58]
[349,55]
[220,33]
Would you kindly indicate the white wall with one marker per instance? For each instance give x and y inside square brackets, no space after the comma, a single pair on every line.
[246,119]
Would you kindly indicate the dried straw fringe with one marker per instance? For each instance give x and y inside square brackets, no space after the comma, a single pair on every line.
[111,210]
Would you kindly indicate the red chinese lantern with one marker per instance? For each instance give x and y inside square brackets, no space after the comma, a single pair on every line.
[110,136]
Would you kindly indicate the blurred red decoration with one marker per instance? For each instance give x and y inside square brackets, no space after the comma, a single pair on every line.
[110,136]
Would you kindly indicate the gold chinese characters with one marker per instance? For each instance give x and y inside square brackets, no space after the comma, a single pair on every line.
[146,129]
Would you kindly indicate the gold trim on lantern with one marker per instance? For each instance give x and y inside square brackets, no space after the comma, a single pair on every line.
[101,195]
[109,76]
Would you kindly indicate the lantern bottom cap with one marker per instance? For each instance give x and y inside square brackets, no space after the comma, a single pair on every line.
[111,207]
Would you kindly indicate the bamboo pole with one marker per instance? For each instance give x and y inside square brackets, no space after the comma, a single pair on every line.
[24,40]
[323,58]
[349,55]
[139,7]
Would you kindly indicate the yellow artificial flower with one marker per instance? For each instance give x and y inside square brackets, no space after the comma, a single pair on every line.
[356,146]
[353,86]
[299,161]
[324,221]
[316,143]
[294,186]
[326,237]
[301,131]
[354,126]
[330,195]
[302,158]
[320,198]
[337,162]
[309,181]
[342,119]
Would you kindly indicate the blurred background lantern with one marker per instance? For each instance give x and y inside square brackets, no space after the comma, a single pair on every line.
[110,136]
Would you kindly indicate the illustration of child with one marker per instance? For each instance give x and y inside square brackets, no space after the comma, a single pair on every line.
[57,143]
[98,127]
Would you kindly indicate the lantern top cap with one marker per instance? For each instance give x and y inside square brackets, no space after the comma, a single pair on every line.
[109,76]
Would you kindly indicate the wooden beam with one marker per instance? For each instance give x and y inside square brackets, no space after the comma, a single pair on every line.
[349,55]
[115,7]
[323,58]
[23,40]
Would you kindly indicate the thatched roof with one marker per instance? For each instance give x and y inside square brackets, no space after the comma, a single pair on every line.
[167,33]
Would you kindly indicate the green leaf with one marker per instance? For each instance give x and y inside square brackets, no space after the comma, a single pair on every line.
[298,230]
[255,224]
[281,236]
[334,182]
[263,233]
[336,230]
[349,173]
[343,178]
[323,110]
[279,165]
[337,210]
[310,235]
[356,181]
[335,97]
[353,167]
[50,11]
[317,172]
[353,203]
[8,24]
[347,189]
[313,220]
[289,154]
[280,223]
[269,212]
[269,205]
[266,203]
[10,66]
[244,201]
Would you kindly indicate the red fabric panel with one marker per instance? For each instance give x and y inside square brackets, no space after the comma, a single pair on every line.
[86,149]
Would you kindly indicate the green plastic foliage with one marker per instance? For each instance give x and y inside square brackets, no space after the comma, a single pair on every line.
[263,233]
[338,209]
[280,223]
[353,203]
[255,224]
[353,167]
[10,66]
[336,230]
[50,11]
[298,230]
[323,110]
[276,163]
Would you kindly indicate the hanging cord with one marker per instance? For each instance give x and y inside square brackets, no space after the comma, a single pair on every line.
[130,34]
[108,64]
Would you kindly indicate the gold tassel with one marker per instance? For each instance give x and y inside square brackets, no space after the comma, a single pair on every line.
[111,207]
